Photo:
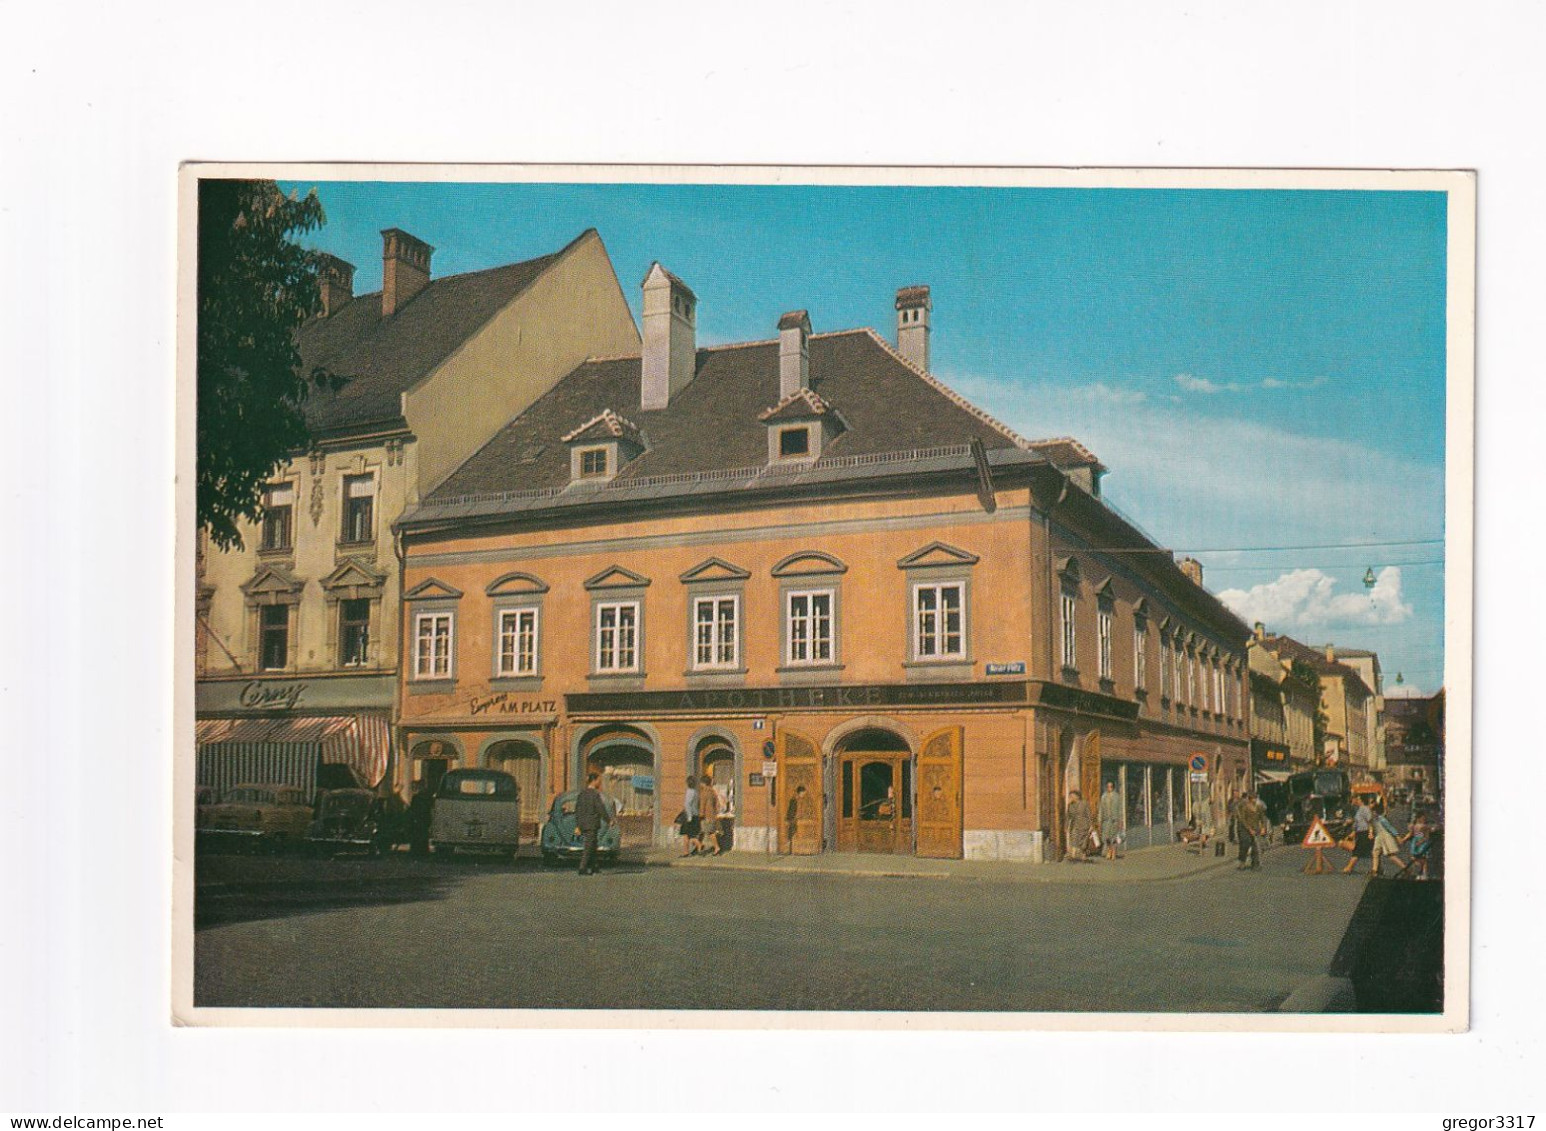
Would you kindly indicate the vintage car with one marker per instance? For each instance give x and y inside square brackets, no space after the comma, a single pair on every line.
[479,810]
[267,815]
[354,820]
[561,837]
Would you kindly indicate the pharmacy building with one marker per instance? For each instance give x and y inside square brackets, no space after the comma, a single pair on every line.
[875,617]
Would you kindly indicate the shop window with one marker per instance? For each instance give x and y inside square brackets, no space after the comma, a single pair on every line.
[938,623]
[432,646]
[716,632]
[810,627]
[517,642]
[274,637]
[617,637]
[278,513]
[359,508]
[354,632]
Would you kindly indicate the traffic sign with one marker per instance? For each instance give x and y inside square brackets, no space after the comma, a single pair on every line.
[1199,763]
[768,748]
[770,769]
[1318,836]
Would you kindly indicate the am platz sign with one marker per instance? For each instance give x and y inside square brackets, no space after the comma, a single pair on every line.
[761,699]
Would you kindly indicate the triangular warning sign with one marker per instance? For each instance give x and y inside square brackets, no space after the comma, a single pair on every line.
[1318,837]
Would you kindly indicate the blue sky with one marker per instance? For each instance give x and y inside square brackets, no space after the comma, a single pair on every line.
[1262,371]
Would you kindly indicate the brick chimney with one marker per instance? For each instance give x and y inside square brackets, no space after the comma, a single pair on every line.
[1192,568]
[912,325]
[404,269]
[670,338]
[335,282]
[1261,631]
[1331,653]
[794,362]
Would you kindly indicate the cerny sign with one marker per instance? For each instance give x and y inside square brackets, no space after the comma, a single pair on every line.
[257,695]
[799,698]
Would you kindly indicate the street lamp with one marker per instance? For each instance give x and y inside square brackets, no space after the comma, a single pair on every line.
[1368,578]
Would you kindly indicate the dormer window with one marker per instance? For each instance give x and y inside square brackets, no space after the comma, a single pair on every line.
[794,443]
[593,463]
[601,447]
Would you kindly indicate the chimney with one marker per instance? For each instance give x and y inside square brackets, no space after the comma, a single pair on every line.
[404,269]
[1192,568]
[912,325]
[1331,653]
[670,338]
[1261,631]
[335,282]
[794,362]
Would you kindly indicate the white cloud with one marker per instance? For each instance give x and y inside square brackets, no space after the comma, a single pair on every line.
[1107,394]
[1308,598]
[1200,384]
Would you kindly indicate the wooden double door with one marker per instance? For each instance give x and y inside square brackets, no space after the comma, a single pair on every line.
[875,802]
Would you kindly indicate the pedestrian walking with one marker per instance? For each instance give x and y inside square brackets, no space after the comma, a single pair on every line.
[727,818]
[1363,838]
[1080,826]
[1420,837]
[1250,826]
[708,814]
[1386,842]
[591,814]
[689,824]
[1110,812]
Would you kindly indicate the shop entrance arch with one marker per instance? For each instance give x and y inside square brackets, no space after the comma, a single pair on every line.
[522,760]
[627,759]
[875,792]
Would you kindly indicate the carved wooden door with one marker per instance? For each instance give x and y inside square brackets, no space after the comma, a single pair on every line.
[799,794]
[1089,773]
[940,794]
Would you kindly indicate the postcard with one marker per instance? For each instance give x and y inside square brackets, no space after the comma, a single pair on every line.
[794,597]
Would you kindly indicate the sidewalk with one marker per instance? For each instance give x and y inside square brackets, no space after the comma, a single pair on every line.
[1145,865]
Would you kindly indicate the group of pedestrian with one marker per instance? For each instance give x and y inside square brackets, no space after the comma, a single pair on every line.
[1093,833]
[706,819]
[1376,839]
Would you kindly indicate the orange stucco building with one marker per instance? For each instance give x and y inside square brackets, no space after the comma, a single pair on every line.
[876,617]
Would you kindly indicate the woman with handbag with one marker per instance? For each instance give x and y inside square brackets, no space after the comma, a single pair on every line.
[1081,827]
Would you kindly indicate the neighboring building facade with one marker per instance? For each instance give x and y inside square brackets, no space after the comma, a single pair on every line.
[1414,729]
[876,617]
[298,631]
[1344,697]
[1367,665]
[1282,714]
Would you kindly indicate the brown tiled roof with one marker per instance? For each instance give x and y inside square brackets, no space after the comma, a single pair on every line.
[1065,451]
[712,424]
[605,425]
[383,357]
[1290,649]
[802,404]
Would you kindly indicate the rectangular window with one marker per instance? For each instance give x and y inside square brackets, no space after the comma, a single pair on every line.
[716,634]
[359,508]
[1164,665]
[593,463]
[432,646]
[1191,679]
[937,624]
[794,442]
[278,506]
[1103,639]
[274,637]
[1069,608]
[517,641]
[810,628]
[1141,657]
[617,637]
[354,632]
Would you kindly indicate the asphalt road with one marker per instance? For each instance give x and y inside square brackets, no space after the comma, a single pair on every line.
[406,933]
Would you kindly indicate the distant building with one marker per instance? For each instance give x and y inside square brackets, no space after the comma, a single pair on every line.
[1344,697]
[1282,714]
[1367,665]
[1414,742]
[298,632]
[876,617]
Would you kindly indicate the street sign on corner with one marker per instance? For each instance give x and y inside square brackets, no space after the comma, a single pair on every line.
[1199,763]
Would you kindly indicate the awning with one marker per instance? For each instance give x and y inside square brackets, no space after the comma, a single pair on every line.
[288,750]
[1271,775]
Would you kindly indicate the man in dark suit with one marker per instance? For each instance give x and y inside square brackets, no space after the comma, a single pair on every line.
[591,814]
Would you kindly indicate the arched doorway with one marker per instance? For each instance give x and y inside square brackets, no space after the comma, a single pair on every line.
[874,792]
[521,759]
[625,758]
[715,760]
[430,759]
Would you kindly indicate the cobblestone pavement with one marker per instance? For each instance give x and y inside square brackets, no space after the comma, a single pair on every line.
[462,934]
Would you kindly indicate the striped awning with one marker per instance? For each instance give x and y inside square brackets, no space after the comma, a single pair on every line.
[287,750]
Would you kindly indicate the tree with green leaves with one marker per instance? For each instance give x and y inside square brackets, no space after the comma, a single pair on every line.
[257,286]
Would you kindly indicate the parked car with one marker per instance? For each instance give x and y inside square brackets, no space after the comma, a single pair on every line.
[268,815]
[476,809]
[354,820]
[561,836]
